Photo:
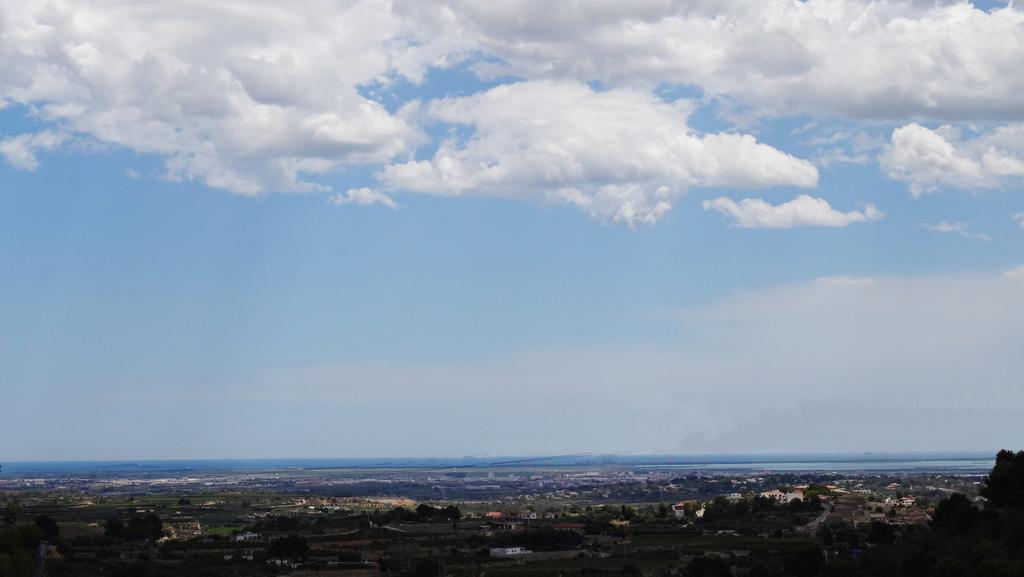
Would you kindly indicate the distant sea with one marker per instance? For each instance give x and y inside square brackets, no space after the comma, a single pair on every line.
[952,462]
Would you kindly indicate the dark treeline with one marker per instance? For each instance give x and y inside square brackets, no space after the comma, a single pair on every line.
[543,539]
[148,527]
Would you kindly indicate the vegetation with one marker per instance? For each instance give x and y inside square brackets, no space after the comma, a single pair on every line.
[17,549]
[977,534]
[545,539]
[148,527]
[962,539]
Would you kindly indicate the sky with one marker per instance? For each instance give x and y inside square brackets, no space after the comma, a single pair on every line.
[444,228]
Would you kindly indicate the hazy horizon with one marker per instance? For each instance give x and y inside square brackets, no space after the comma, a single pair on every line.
[538,457]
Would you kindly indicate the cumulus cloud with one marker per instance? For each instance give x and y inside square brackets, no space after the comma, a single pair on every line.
[1019,217]
[802,211]
[928,159]
[621,155]
[248,97]
[856,58]
[255,97]
[363,197]
[957,228]
[21,150]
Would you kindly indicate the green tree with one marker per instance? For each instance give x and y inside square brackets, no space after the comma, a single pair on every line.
[114,528]
[16,550]
[49,527]
[1004,486]
[708,567]
[881,533]
[290,547]
[146,528]
[12,512]
[806,562]
[452,512]
[955,515]
[425,512]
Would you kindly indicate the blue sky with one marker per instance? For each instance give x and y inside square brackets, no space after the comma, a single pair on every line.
[427,231]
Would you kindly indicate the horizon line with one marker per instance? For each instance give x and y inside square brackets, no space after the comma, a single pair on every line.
[526,458]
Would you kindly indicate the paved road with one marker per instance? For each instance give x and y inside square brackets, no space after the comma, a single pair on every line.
[812,527]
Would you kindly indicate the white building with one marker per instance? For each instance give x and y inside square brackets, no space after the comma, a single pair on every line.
[900,502]
[508,551]
[781,497]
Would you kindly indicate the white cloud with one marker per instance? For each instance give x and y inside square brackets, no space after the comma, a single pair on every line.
[1019,217]
[841,281]
[832,157]
[945,226]
[620,155]
[802,211]
[957,228]
[843,147]
[852,58]
[1015,274]
[363,197]
[255,97]
[929,159]
[248,97]
[21,150]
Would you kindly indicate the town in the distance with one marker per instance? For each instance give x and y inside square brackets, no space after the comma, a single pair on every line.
[574,517]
